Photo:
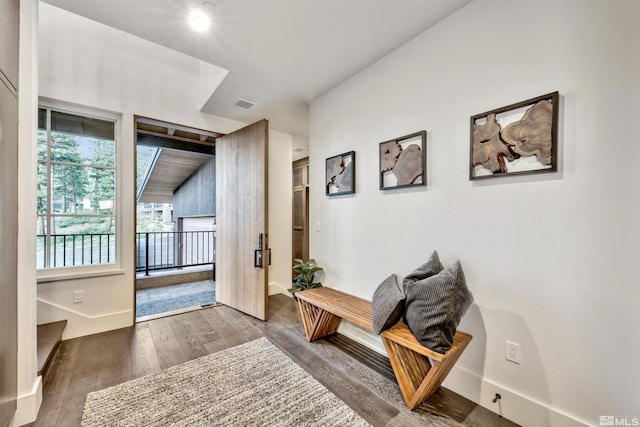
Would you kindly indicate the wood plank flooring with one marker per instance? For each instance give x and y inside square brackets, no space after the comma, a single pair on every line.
[98,361]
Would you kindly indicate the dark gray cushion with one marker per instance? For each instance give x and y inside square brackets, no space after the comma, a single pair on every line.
[435,305]
[430,268]
[387,304]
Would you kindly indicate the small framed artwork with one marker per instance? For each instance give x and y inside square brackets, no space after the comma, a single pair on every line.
[403,161]
[515,140]
[340,173]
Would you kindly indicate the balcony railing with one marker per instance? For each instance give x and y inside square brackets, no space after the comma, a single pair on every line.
[67,250]
[160,250]
[174,249]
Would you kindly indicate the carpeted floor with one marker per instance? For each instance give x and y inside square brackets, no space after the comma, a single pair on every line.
[253,384]
[169,298]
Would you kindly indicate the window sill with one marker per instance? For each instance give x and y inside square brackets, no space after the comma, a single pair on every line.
[48,277]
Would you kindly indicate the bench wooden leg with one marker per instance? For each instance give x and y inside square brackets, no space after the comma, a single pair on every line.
[418,377]
[317,322]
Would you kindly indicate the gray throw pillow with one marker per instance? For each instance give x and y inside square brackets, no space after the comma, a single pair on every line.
[435,305]
[430,268]
[387,305]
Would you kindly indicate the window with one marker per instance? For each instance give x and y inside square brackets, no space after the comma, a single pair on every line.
[77,189]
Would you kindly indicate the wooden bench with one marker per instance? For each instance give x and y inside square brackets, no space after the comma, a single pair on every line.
[418,370]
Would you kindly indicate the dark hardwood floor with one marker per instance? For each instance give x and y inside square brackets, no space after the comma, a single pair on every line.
[98,361]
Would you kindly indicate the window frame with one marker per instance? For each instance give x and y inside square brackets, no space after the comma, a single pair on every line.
[92,270]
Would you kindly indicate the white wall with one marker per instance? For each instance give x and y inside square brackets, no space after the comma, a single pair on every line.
[549,258]
[90,64]
[280,211]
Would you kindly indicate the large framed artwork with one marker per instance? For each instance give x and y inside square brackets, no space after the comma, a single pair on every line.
[403,161]
[340,173]
[518,139]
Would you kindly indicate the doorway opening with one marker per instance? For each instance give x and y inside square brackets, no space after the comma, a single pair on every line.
[300,210]
[175,218]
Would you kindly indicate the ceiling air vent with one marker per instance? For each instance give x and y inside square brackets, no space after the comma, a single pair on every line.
[244,104]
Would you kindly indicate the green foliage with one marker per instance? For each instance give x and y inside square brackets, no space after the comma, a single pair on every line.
[81,168]
[97,228]
[83,225]
[68,180]
[306,275]
[103,180]
[144,225]
[42,188]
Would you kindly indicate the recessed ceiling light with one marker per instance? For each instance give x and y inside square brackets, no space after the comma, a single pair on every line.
[200,19]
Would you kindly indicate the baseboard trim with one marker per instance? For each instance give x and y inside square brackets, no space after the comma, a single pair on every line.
[363,337]
[276,288]
[80,324]
[514,406]
[28,405]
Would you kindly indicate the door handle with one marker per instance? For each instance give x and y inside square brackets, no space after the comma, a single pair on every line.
[257,258]
[257,254]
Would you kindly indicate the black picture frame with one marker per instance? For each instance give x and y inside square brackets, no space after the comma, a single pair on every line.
[518,139]
[403,161]
[340,172]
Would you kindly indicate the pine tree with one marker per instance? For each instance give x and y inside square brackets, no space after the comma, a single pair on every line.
[42,182]
[103,180]
[69,182]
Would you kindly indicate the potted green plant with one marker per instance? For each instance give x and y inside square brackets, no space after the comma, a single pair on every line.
[306,275]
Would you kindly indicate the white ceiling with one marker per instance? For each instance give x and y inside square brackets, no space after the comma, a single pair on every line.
[281,54]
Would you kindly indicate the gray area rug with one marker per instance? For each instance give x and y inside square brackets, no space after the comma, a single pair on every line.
[253,384]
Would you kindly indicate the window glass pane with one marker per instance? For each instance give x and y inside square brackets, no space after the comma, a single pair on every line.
[81,190]
[42,188]
[41,226]
[98,152]
[297,177]
[298,215]
[69,188]
[82,126]
[75,149]
[42,144]
[65,148]
[42,119]
[63,224]
[298,244]
[101,198]
[76,209]
[82,241]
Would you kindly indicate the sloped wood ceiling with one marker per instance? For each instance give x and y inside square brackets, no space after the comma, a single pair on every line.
[171,168]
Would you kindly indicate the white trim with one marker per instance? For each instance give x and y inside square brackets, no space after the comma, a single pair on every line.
[86,110]
[82,273]
[514,406]
[78,272]
[363,337]
[276,288]
[80,324]
[77,313]
[28,405]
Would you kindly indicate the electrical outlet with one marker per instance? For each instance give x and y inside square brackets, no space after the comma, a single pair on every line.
[512,352]
[77,297]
